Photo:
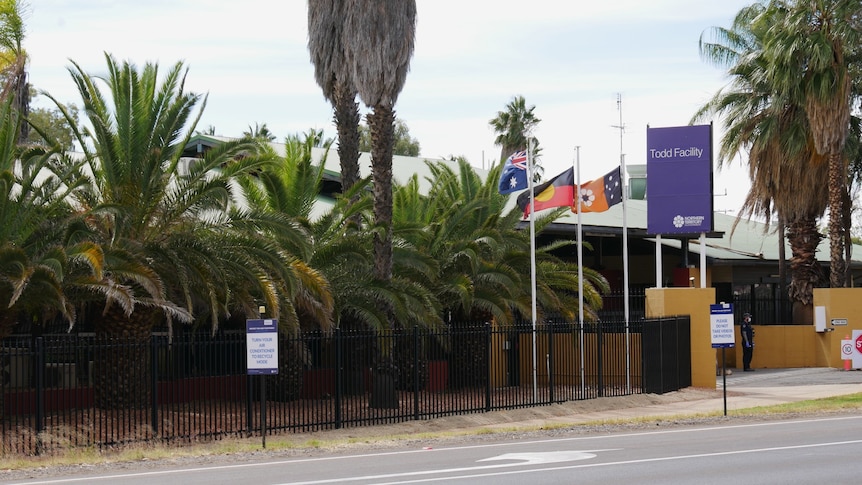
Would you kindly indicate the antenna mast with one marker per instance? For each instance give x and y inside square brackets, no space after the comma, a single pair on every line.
[621,126]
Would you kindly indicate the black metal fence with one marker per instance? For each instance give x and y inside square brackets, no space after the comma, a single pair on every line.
[62,390]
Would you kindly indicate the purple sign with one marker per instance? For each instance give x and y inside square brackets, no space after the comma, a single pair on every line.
[679,180]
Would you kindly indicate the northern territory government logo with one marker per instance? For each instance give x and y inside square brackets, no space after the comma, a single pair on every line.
[680,221]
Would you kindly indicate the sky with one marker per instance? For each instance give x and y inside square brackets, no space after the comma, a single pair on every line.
[578,66]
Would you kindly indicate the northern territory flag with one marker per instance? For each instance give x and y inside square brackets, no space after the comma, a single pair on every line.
[557,192]
[600,194]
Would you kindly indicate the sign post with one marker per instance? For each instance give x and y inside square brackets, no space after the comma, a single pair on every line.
[261,343]
[721,328]
[847,352]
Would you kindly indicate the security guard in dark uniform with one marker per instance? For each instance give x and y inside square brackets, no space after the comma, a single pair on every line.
[747,342]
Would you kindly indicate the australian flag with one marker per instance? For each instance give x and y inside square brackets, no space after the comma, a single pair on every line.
[514,176]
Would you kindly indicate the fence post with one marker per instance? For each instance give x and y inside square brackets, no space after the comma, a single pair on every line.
[249,412]
[600,357]
[416,372]
[154,385]
[550,329]
[488,361]
[339,377]
[40,392]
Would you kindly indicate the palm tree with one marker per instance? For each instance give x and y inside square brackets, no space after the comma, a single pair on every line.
[378,41]
[39,265]
[514,126]
[483,258]
[339,252]
[786,174]
[260,132]
[333,74]
[13,60]
[288,190]
[179,244]
[813,55]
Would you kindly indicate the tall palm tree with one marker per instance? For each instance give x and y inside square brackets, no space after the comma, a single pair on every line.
[13,60]
[177,242]
[759,118]
[514,126]
[814,54]
[334,75]
[378,41]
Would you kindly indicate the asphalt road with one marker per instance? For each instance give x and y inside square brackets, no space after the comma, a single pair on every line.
[816,450]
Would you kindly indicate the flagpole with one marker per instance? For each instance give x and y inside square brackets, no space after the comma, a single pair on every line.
[658,260]
[703,260]
[533,267]
[625,251]
[580,269]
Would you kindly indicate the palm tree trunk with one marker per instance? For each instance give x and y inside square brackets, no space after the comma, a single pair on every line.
[847,218]
[837,182]
[782,268]
[8,319]
[805,272]
[121,363]
[22,104]
[381,124]
[347,123]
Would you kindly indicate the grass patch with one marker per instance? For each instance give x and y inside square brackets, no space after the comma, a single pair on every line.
[838,403]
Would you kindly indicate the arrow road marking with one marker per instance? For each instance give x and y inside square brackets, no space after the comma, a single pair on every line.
[545,457]
[523,459]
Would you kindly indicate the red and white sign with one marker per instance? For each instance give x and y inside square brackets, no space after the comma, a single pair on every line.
[846,349]
[856,355]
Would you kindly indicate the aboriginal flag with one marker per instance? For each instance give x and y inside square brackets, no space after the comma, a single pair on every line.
[601,194]
[557,192]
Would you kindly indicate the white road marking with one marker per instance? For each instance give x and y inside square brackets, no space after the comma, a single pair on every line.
[539,458]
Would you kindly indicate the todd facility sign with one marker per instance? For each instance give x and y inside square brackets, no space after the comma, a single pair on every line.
[679,180]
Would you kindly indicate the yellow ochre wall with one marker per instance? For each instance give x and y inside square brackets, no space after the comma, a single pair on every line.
[667,302]
[840,303]
[780,346]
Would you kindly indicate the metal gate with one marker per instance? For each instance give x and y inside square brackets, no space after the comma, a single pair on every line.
[666,354]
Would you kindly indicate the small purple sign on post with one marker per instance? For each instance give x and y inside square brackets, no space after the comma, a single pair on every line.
[261,341]
[679,180]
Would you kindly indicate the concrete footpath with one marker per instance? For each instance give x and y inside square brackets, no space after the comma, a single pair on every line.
[762,387]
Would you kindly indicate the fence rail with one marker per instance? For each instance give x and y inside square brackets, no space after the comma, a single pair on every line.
[76,390]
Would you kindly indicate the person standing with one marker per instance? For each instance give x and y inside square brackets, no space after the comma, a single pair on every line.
[747,342]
